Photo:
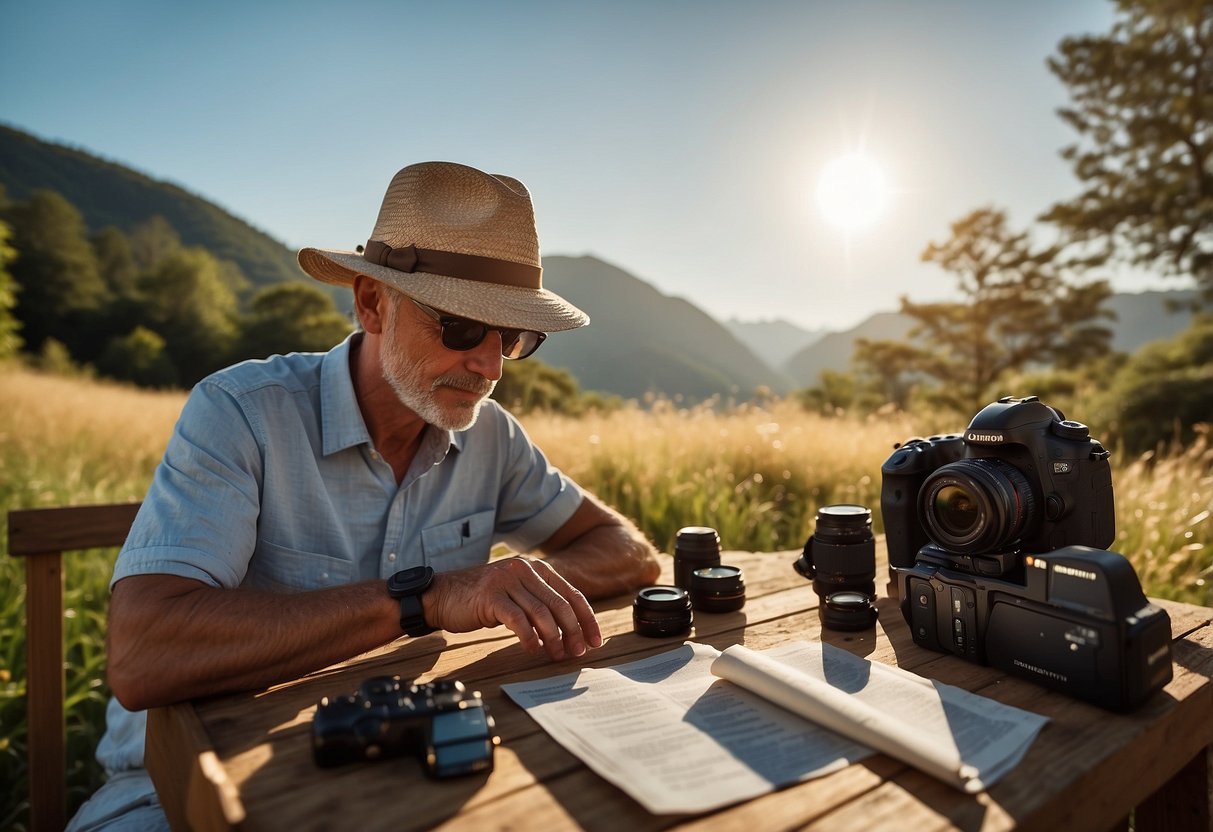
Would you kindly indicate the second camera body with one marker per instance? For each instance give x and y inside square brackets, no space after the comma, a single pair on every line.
[448,726]
[1021,477]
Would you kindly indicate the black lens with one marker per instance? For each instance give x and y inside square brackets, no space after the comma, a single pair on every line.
[661,611]
[976,506]
[519,343]
[956,510]
[844,523]
[717,589]
[847,611]
[465,334]
[461,333]
[695,547]
[841,553]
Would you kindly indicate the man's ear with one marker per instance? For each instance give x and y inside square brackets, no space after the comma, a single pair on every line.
[370,302]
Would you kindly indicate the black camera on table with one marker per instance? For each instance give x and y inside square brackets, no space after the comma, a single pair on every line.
[995,540]
[448,726]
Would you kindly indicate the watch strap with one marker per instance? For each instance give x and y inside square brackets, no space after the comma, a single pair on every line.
[412,616]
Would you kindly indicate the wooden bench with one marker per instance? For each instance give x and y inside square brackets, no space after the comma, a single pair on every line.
[41,536]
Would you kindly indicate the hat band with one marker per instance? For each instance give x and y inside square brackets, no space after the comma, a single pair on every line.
[411,259]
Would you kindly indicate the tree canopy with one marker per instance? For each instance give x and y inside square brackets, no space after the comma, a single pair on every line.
[1143,110]
[1020,306]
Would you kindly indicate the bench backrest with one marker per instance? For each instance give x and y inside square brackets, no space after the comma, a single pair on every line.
[41,536]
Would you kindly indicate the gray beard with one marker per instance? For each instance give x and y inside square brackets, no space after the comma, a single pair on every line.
[406,380]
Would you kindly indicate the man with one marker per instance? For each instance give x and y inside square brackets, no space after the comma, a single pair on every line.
[352,497]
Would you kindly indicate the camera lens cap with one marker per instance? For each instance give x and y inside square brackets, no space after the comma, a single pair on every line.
[848,610]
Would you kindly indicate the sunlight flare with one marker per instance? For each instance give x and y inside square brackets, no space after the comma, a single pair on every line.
[852,192]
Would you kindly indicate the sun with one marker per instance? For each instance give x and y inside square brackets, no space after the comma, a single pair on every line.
[852,192]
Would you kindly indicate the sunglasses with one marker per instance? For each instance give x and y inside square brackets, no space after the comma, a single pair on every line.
[465,334]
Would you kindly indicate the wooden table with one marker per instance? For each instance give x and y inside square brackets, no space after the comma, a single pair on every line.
[245,760]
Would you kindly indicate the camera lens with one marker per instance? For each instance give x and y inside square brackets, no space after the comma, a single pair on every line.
[844,523]
[661,611]
[847,611]
[976,506]
[695,547]
[717,589]
[841,554]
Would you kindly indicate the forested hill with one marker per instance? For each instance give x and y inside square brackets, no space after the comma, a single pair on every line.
[109,194]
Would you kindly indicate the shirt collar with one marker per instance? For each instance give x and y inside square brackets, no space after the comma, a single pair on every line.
[341,419]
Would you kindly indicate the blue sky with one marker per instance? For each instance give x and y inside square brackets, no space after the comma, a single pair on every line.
[679,140]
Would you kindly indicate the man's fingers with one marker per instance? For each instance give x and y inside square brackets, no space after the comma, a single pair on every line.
[571,610]
[528,596]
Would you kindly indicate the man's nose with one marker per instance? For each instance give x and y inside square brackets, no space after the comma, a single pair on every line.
[485,358]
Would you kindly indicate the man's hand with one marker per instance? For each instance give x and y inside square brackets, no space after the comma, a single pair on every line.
[526,595]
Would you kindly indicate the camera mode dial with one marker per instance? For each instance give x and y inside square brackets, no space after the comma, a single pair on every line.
[1069,429]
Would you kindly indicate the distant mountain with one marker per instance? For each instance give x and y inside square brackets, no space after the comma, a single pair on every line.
[773,341]
[641,341]
[1141,317]
[107,193]
[834,351]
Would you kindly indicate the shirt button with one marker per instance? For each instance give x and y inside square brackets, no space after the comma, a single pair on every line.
[374,455]
[391,557]
[324,576]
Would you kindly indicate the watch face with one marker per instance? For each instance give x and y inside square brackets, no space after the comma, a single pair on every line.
[410,581]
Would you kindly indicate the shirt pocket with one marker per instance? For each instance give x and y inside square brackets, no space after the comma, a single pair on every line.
[278,568]
[459,543]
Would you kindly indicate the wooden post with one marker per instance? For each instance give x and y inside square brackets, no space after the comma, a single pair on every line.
[45,690]
[41,536]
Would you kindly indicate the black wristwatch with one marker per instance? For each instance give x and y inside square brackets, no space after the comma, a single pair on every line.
[407,585]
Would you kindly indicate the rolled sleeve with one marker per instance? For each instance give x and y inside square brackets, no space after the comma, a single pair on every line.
[199,519]
[536,498]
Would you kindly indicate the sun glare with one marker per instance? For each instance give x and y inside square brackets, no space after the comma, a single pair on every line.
[852,192]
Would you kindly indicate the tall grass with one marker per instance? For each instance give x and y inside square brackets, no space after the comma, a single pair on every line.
[755,473]
[65,441]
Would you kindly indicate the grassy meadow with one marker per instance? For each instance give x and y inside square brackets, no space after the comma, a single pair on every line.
[755,473]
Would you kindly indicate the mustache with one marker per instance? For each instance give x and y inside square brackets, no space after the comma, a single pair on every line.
[462,381]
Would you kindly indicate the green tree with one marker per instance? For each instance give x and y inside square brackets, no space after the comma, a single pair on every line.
[1020,307]
[532,385]
[887,369]
[834,393]
[186,302]
[1143,108]
[55,269]
[10,341]
[115,262]
[138,356]
[1161,391]
[153,241]
[290,317]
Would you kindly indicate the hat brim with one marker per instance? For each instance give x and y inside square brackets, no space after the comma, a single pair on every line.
[507,306]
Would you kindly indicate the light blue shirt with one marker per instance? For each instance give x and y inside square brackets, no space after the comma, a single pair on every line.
[271,481]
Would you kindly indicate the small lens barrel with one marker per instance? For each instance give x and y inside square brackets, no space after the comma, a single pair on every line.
[843,524]
[661,611]
[717,589]
[696,547]
[847,611]
[841,553]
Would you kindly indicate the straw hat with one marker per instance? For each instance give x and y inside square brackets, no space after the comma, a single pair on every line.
[459,240]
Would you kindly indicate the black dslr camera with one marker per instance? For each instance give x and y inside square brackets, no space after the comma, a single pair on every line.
[448,726]
[995,545]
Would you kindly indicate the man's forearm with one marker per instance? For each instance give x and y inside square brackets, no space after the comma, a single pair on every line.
[172,638]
